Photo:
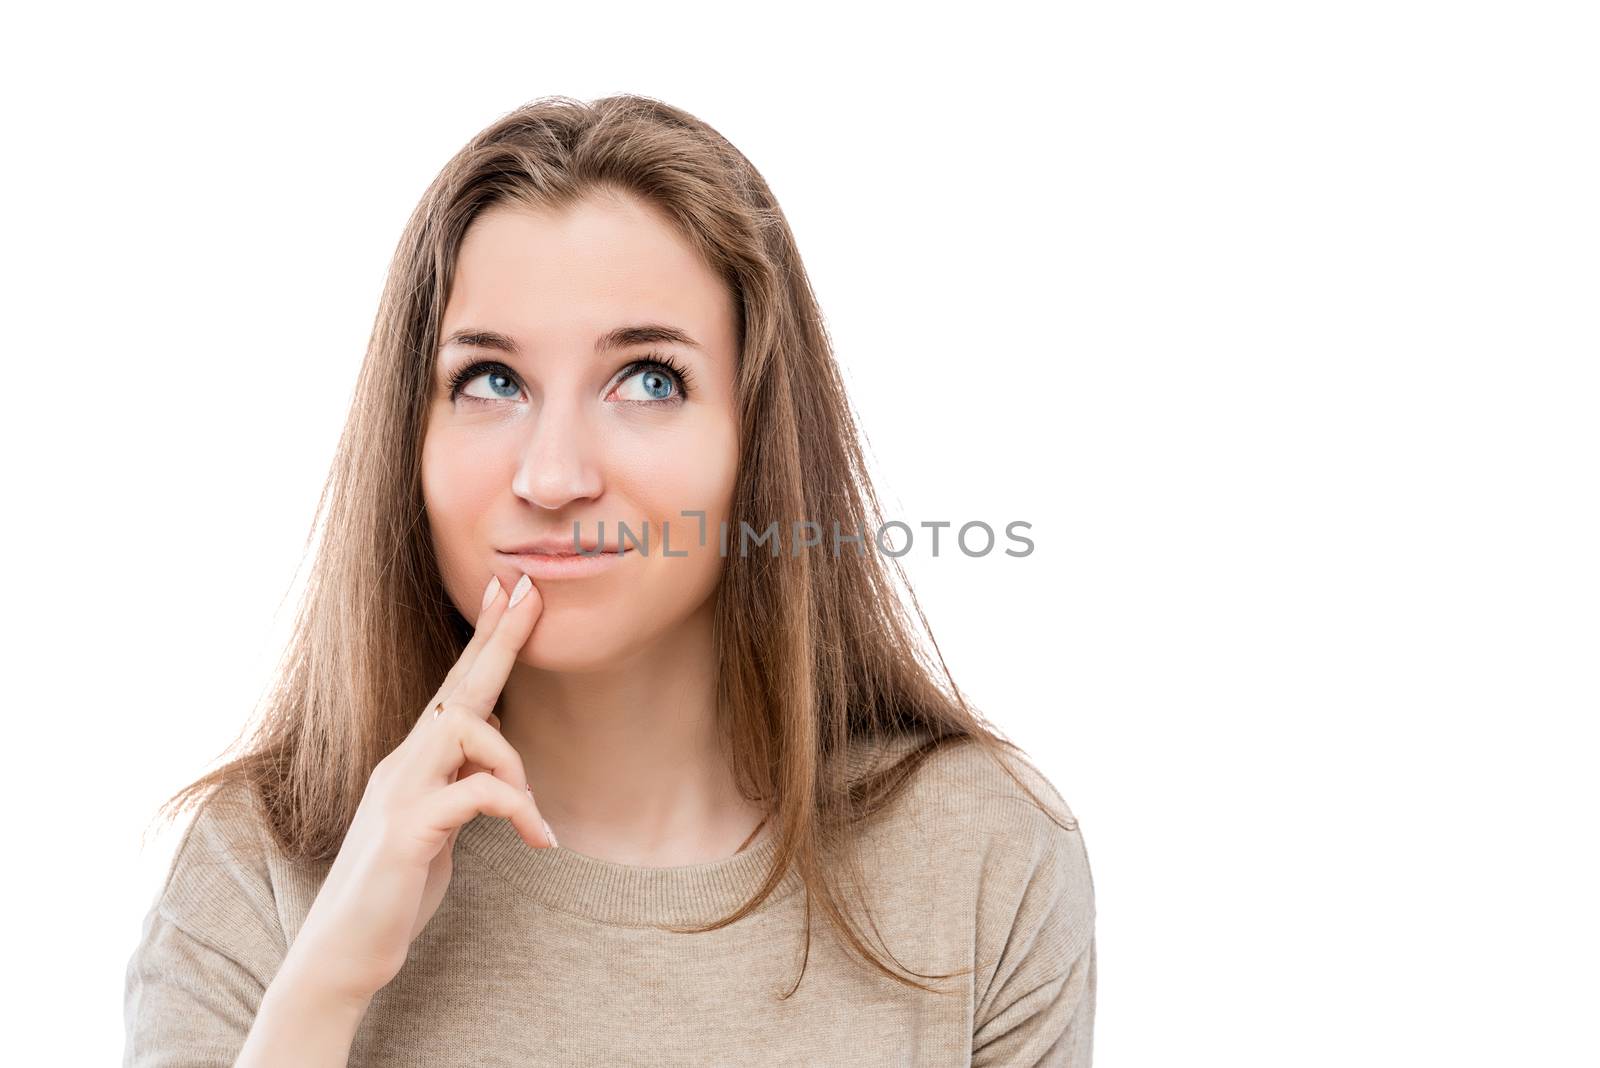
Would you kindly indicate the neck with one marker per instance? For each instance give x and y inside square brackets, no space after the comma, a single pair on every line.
[629,763]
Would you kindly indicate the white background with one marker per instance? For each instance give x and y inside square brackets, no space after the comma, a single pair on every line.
[1277,321]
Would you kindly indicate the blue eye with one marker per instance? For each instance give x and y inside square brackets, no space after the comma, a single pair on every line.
[656,384]
[657,374]
[497,381]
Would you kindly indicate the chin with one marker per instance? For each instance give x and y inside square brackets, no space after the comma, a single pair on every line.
[574,650]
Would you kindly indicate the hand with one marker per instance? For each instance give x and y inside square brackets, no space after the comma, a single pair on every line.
[394,864]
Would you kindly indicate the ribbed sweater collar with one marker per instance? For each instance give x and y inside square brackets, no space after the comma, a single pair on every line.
[626,894]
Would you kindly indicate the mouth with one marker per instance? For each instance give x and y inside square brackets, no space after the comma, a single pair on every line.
[587,552]
[561,547]
[563,564]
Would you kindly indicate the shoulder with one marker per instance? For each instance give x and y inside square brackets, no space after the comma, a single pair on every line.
[1022,868]
[225,837]
[219,886]
[969,782]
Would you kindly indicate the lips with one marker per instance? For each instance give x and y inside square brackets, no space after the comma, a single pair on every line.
[566,564]
[562,547]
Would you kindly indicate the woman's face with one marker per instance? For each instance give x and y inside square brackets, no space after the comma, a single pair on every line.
[567,421]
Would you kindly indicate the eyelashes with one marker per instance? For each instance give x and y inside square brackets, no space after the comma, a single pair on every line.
[683,379]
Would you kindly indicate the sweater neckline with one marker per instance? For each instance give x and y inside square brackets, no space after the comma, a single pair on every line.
[626,894]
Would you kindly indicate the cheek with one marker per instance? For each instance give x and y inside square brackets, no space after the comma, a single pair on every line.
[694,474]
[458,475]
[691,473]
[457,489]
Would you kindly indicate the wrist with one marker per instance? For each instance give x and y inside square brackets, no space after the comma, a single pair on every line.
[309,984]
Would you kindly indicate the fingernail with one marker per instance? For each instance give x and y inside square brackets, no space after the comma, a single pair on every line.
[524,584]
[490,590]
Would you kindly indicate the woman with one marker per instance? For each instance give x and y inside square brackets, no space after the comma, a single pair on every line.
[597,386]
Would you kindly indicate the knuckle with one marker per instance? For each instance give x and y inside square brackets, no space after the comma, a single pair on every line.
[505,754]
[459,714]
[449,719]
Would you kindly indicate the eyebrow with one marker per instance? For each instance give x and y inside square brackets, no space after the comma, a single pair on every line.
[621,337]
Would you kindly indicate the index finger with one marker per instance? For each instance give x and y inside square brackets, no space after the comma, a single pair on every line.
[494,607]
[487,675]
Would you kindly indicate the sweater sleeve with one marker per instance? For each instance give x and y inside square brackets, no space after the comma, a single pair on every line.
[1038,1006]
[209,946]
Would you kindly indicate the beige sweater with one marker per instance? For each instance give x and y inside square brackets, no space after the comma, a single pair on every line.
[548,957]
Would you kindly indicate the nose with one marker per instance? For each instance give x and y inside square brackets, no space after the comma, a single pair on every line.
[558,464]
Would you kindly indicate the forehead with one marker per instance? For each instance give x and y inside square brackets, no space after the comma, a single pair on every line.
[600,260]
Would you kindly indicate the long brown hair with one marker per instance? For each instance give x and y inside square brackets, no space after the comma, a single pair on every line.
[816,650]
